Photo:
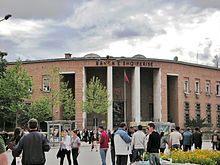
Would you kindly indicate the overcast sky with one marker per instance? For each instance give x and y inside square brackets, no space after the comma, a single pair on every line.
[46,29]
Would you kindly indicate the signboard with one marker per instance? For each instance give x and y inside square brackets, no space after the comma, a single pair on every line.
[123,63]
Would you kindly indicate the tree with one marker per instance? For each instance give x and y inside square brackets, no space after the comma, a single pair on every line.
[68,102]
[61,95]
[197,122]
[97,98]
[14,90]
[40,110]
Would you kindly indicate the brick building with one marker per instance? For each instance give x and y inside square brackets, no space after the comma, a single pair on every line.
[140,88]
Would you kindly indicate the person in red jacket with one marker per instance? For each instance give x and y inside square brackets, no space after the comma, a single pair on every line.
[103,141]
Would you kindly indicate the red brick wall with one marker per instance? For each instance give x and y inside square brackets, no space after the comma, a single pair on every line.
[37,69]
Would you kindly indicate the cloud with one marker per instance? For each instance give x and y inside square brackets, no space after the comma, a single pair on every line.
[40,9]
[162,29]
[204,4]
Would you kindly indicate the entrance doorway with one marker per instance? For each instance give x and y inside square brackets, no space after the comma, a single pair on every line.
[172,98]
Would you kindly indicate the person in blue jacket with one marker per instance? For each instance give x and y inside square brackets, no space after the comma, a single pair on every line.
[122,144]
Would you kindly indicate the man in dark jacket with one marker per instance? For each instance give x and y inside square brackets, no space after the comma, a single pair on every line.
[187,139]
[197,138]
[33,145]
[153,145]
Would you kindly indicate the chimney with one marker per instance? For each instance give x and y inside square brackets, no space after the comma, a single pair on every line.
[68,55]
[175,59]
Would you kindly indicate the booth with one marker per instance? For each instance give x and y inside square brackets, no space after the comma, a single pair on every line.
[56,127]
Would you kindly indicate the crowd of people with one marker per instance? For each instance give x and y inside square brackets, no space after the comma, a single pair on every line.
[125,143]
[31,144]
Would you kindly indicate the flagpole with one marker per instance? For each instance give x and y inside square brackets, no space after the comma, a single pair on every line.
[125,111]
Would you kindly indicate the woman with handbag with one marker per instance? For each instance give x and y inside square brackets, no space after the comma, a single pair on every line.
[14,141]
[75,146]
[65,146]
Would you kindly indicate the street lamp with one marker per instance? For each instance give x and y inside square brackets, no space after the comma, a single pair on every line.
[6,17]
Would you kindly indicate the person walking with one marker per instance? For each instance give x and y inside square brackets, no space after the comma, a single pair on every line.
[153,145]
[32,146]
[75,144]
[187,140]
[113,147]
[94,140]
[215,140]
[3,154]
[65,146]
[103,141]
[197,138]
[131,131]
[163,142]
[14,141]
[91,134]
[174,138]
[122,144]
[138,144]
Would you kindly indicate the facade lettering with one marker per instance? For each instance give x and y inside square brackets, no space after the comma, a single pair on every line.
[124,63]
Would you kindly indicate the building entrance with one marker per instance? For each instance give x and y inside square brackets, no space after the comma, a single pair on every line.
[172,98]
[118,113]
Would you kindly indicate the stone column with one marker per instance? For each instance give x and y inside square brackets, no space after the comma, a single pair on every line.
[110,92]
[157,95]
[136,106]
[84,97]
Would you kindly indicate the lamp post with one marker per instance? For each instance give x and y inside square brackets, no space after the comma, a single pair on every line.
[6,17]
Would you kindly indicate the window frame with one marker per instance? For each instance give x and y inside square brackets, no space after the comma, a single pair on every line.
[209,113]
[217,88]
[197,111]
[186,86]
[186,112]
[218,115]
[46,84]
[197,87]
[208,87]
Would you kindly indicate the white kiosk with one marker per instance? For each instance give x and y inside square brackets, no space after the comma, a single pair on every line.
[55,128]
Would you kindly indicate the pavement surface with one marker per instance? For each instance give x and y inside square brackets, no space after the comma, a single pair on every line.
[86,156]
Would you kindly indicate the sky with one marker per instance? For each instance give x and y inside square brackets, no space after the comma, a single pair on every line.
[163,29]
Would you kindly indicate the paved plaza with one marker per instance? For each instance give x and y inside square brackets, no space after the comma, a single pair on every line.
[86,156]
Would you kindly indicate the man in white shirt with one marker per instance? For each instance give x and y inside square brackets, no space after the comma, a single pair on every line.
[138,143]
[175,138]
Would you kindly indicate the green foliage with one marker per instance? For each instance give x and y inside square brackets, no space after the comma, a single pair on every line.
[68,102]
[14,86]
[41,110]
[96,97]
[60,96]
[197,122]
[23,116]
[14,90]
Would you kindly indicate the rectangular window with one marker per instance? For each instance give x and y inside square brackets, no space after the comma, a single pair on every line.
[186,86]
[197,110]
[197,87]
[208,87]
[186,113]
[218,88]
[218,115]
[46,83]
[208,114]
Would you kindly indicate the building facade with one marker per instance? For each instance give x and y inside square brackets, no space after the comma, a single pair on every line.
[140,89]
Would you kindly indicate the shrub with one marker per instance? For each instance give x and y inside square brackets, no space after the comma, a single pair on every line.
[203,157]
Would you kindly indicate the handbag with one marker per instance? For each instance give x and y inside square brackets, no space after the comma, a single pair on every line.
[18,161]
[59,153]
